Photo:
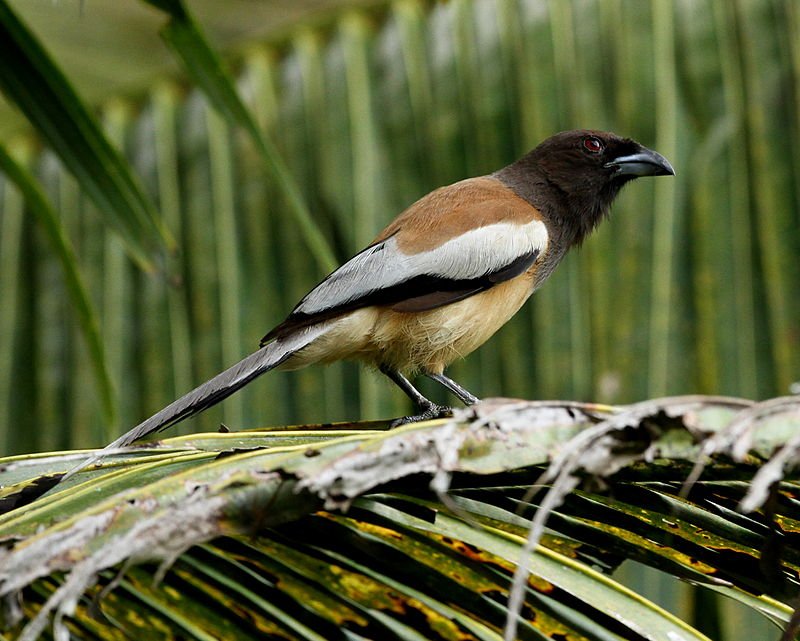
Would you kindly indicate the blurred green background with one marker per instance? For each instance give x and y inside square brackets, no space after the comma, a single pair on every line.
[691,286]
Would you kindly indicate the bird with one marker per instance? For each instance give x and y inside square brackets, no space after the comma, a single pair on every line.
[444,275]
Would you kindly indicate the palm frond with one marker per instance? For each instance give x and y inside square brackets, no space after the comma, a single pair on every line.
[358,532]
[35,83]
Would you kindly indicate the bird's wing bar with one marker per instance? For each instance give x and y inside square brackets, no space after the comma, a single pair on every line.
[443,292]
[384,274]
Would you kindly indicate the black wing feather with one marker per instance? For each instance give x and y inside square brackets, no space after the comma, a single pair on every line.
[417,294]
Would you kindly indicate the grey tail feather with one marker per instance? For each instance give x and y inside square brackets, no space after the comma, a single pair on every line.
[213,391]
[202,397]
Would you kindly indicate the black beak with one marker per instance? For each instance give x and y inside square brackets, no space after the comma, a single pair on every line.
[645,162]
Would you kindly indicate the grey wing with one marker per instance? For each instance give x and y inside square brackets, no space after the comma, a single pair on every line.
[383,274]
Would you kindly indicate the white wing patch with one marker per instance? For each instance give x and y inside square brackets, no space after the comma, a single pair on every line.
[473,254]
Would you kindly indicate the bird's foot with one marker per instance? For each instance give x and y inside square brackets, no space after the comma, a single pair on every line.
[427,413]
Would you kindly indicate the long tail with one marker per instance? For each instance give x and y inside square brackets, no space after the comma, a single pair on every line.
[213,391]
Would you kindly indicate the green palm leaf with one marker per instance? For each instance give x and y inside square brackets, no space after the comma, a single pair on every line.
[412,533]
[30,78]
[40,207]
[206,70]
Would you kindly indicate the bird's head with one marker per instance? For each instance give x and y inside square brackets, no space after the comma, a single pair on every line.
[577,174]
[595,159]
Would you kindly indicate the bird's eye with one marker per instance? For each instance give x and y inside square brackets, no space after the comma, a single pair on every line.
[592,144]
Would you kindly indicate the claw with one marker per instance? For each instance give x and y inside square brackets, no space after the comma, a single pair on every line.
[428,414]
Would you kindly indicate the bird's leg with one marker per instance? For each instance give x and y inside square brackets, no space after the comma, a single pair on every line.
[426,409]
[463,395]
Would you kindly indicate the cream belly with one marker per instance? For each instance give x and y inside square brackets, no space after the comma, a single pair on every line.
[430,341]
[417,341]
